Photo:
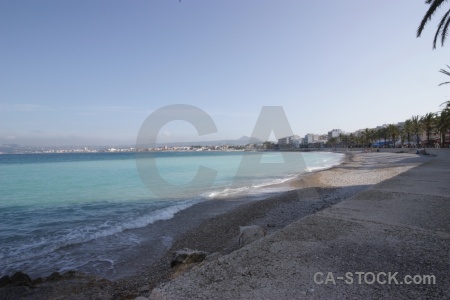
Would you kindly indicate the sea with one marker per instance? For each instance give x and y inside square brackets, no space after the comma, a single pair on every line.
[82,211]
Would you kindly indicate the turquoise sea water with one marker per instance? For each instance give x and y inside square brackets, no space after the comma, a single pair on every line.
[53,205]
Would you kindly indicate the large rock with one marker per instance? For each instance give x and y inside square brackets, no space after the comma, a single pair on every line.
[20,279]
[249,234]
[187,256]
[4,281]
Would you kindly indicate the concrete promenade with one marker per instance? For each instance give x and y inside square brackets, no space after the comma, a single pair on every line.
[383,243]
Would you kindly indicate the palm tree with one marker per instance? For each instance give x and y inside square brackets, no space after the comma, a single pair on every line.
[383,134]
[373,135]
[341,138]
[367,136]
[359,140]
[428,125]
[443,24]
[416,127]
[403,135]
[351,139]
[407,128]
[333,142]
[393,132]
[442,124]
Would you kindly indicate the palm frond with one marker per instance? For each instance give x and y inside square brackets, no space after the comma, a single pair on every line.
[444,31]
[446,104]
[441,27]
[445,71]
[434,5]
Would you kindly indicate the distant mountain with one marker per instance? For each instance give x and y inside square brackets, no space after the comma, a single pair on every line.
[239,142]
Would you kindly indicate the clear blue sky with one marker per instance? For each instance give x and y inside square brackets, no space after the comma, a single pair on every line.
[90,72]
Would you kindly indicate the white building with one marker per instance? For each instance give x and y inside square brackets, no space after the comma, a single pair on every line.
[311,138]
[290,141]
[334,133]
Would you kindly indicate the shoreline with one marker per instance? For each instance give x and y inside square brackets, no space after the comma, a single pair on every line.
[398,224]
[207,213]
[217,231]
[310,195]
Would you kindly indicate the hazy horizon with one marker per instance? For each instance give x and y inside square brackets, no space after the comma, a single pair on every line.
[108,143]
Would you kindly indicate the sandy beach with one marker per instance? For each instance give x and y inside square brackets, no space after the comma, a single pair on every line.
[213,226]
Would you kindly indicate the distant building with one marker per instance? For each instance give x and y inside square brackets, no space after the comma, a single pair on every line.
[323,138]
[334,133]
[311,138]
[292,141]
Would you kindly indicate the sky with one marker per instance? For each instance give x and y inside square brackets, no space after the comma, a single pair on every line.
[90,72]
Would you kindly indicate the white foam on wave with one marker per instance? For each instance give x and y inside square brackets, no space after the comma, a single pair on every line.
[261,188]
[275,181]
[39,246]
[312,169]
[325,163]
[225,192]
[266,187]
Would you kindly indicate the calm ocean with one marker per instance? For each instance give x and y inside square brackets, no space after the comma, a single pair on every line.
[75,211]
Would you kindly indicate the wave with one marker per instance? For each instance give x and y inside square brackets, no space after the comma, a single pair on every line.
[325,163]
[313,169]
[275,181]
[267,186]
[17,248]
[39,246]
[261,188]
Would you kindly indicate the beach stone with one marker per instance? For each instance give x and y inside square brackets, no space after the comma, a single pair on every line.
[37,281]
[249,234]
[4,281]
[213,256]
[54,276]
[144,289]
[20,279]
[69,274]
[188,256]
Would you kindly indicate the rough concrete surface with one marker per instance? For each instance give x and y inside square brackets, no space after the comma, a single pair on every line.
[399,225]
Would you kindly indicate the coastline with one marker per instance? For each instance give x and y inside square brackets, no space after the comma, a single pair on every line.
[106,252]
[212,226]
